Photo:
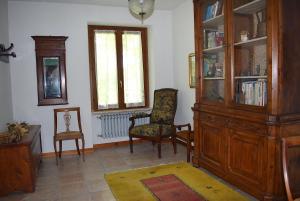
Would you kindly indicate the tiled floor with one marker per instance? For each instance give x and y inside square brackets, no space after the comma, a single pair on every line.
[74,180]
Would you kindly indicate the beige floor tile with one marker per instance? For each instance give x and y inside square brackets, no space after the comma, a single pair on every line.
[75,180]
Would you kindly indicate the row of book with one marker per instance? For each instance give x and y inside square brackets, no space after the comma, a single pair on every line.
[214,10]
[255,92]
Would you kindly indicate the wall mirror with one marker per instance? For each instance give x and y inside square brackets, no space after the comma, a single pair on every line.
[51,70]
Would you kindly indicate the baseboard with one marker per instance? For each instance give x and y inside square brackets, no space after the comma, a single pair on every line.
[116,144]
[95,146]
[69,152]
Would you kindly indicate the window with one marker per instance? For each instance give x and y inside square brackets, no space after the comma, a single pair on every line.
[118,67]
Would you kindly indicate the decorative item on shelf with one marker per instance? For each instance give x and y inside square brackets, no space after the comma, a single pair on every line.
[213,39]
[17,131]
[261,23]
[208,63]
[244,36]
[141,9]
[219,38]
[211,70]
[5,52]
[219,70]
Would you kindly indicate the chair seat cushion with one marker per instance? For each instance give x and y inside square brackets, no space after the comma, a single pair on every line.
[68,135]
[151,130]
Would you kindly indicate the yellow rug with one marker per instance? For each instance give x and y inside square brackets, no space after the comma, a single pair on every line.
[127,185]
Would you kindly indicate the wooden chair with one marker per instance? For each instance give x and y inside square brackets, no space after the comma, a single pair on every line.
[185,137]
[161,124]
[287,143]
[67,134]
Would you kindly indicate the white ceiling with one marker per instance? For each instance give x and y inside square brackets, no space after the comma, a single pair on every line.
[159,4]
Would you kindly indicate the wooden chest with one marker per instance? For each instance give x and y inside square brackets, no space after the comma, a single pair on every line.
[19,163]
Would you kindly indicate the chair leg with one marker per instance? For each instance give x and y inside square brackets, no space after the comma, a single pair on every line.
[60,148]
[159,148]
[77,146]
[55,150]
[83,148]
[174,144]
[130,143]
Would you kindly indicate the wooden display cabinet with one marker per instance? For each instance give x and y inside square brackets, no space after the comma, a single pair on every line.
[247,94]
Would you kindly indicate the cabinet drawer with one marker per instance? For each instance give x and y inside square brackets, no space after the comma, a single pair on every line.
[213,120]
[247,126]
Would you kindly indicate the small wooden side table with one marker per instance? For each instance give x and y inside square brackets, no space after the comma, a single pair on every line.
[186,137]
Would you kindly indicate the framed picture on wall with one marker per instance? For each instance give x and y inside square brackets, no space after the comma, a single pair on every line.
[192,68]
[51,70]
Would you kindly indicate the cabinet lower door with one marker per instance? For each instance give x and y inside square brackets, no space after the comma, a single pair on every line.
[246,158]
[212,151]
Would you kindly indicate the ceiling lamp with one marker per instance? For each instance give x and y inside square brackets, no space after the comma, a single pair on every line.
[141,9]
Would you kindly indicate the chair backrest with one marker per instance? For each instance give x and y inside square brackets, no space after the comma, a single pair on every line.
[164,106]
[287,143]
[67,117]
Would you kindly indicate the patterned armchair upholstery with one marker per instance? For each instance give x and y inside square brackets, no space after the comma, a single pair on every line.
[161,120]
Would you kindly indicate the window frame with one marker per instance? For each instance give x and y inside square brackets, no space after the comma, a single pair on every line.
[119,47]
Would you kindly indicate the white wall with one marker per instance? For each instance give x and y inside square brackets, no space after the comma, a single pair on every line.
[183,43]
[6,113]
[31,18]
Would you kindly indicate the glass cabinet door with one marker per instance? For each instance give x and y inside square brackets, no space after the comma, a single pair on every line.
[213,67]
[250,52]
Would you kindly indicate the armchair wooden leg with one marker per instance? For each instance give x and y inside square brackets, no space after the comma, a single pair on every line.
[174,144]
[159,149]
[55,150]
[60,148]
[153,143]
[77,146]
[130,143]
[83,148]
[188,150]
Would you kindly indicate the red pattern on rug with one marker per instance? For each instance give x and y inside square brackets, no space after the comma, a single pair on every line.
[171,188]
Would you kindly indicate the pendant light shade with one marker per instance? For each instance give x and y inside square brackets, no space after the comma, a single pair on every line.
[141,9]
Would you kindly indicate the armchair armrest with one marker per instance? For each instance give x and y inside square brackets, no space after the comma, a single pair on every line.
[139,115]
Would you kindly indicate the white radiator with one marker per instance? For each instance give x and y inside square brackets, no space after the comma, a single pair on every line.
[116,124]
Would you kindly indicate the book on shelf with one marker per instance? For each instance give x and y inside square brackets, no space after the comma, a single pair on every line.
[255,92]
[213,38]
[214,10]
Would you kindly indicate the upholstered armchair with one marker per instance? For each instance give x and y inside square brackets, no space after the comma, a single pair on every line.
[161,124]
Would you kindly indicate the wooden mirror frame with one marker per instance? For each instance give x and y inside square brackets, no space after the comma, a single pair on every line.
[51,70]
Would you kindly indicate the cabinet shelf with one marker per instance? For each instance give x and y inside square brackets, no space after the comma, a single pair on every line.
[213,78]
[213,23]
[251,7]
[251,77]
[252,42]
[214,49]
